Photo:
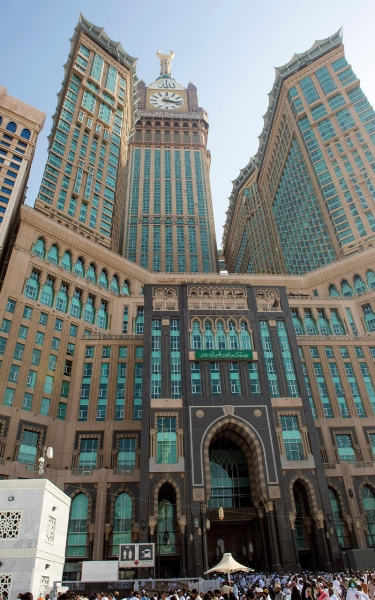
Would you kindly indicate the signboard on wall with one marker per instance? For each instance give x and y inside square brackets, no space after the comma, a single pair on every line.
[217,355]
[136,555]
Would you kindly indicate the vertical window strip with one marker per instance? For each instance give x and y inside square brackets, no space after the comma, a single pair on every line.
[103,392]
[120,391]
[326,404]
[175,350]
[273,381]
[156,359]
[289,369]
[340,394]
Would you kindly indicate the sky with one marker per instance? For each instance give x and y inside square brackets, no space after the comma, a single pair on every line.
[227,48]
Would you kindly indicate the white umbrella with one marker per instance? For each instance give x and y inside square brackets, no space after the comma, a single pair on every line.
[228,565]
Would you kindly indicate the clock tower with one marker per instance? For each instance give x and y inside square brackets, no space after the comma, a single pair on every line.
[169,225]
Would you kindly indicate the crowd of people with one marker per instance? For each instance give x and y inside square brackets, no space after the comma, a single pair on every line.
[253,586]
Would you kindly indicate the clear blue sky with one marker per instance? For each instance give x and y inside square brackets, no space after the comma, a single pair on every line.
[228,48]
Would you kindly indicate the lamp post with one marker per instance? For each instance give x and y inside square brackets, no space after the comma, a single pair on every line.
[46,452]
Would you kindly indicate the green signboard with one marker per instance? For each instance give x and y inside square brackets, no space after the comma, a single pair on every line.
[223,355]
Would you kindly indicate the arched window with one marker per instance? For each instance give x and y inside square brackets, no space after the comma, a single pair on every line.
[53,255]
[77,528]
[310,325]
[196,337]
[62,298]
[370,279]
[166,535]
[337,325]
[297,323]
[103,280]
[114,287]
[89,311]
[359,285]
[102,319]
[39,248]
[66,262]
[346,289]
[229,475]
[233,337]
[340,525]
[208,336]
[76,305]
[26,134]
[125,288]
[47,292]
[323,323]
[368,498]
[12,127]
[79,268]
[32,286]
[303,516]
[122,522]
[91,273]
[245,336]
[221,338]
[333,293]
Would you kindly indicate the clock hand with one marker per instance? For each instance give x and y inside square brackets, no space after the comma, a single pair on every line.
[170,100]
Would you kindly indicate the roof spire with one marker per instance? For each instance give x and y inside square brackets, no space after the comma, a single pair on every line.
[165,63]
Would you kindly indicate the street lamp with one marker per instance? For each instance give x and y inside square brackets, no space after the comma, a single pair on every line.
[46,452]
[221,513]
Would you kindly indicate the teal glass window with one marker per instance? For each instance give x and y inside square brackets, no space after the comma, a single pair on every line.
[323,323]
[309,90]
[66,262]
[272,377]
[77,529]
[27,313]
[18,351]
[339,521]
[326,130]
[122,522]
[323,392]
[89,311]
[3,343]
[290,372]
[114,287]
[175,358]
[120,391]
[103,392]
[368,383]
[62,299]
[297,323]
[48,384]
[333,293]
[139,322]
[309,392]
[103,280]
[329,352]
[53,255]
[254,379]
[31,379]
[334,103]
[370,279]
[13,373]
[76,305]
[27,401]
[32,286]
[23,331]
[122,351]
[166,440]
[359,285]
[125,289]
[39,249]
[340,394]
[196,383]
[156,359]
[88,453]
[310,325]
[126,456]
[369,317]
[233,336]
[8,396]
[337,325]
[208,336]
[125,320]
[234,377]
[245,336]
[345,450]
[97,68]
[28,449]
[354,389]
[368,498]
[85,388]
[138,380]
[5,325]
[325,79]
[318,112]
[91,274]
[102,318]
[292,438]
[39,338]
[47,294]
[215,379]
[221,338]
[196,336]
[45,406]
[229,475]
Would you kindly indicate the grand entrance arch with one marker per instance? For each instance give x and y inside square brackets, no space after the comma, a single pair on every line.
[235,482]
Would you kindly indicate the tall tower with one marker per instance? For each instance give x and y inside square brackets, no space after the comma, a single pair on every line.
[308,194]
[169,223]
[85,172]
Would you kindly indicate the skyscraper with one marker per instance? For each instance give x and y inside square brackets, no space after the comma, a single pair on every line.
[169,223]
[169,395]
[84,179]
[308,194]
[20,125]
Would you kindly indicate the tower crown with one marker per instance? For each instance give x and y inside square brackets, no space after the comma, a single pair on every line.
[165,64]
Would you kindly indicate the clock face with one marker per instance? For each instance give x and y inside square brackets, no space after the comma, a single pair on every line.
[167,100]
